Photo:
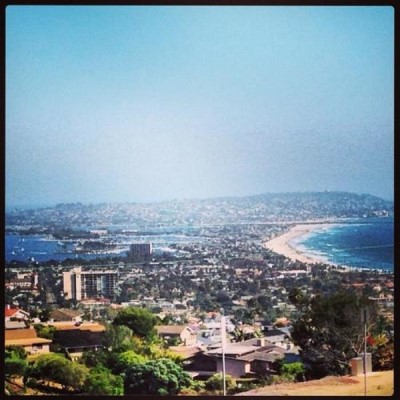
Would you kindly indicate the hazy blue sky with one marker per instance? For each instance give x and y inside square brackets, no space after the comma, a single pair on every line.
[153,103]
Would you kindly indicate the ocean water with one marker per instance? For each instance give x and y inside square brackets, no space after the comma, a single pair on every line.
[40,248]
[43,248]
[359,244]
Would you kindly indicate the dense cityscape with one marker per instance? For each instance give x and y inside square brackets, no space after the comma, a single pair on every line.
[190,288]
[199,201]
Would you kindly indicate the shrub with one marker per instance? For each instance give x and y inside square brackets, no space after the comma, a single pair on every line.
[100,381]
[216,383]
[156,377]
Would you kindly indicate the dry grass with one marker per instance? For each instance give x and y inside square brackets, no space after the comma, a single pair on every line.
[378,384]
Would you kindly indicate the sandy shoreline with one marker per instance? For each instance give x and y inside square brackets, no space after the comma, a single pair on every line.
[281,244]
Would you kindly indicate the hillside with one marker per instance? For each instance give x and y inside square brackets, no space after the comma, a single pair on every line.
[378,384]
[283,207]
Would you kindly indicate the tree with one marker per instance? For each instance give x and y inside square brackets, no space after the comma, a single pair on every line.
[139,320]
[93,358]
[14,351]
[382,353]
[100,381]
[57,368]
[45,314]
[264,302]
[14,367]
[117,337]
[127,359]
[329,331]
[15,363]
[156,377]
[46,332]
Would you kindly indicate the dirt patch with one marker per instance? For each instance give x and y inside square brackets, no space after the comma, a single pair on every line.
[378,384]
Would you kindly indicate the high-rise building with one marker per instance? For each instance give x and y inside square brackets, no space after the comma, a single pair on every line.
[79,285]
[140,251]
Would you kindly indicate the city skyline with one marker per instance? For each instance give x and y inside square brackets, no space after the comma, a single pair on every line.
[138,104]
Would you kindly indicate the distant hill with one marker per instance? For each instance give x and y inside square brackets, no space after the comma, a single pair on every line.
[269,207]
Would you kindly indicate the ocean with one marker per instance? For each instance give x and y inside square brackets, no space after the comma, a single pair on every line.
[358,244]
[42,248]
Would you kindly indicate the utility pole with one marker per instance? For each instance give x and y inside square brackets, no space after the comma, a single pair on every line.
[365,318]
[223,337]
[365,357]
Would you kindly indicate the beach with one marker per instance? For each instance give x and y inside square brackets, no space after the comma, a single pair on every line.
[281,244]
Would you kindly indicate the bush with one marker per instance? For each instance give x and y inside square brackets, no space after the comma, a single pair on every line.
[293,371]
[32,383]
[127,359]
[245,386]
[276,379]
[15,352]
[100,381]
[46,332]
[14,367]
[156,377]
[215,383]
[57,368]
[15,363]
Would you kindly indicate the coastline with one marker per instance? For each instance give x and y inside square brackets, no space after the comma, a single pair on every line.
[282,244]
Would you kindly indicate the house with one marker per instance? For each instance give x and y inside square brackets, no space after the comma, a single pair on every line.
[277,337]
[65,314]
[15,325]
[185,334]
[250,357]
[15,314]
[27,339]
[209,337]
[76,339]
[195,362]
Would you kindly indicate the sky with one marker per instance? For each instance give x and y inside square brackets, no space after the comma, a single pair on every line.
[146,103]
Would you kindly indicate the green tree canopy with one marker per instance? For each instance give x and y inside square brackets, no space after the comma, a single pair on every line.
[15,352]
[117,337]
[139,320]
[57,368]
[46,332]
[156,377]
[293,371]
[100,381]
[127,359]
[101,357]
[15,363]
[330,331]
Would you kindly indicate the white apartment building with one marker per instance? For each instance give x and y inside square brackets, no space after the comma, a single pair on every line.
[80,285]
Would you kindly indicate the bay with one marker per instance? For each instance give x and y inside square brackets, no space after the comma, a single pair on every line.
[42,248]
